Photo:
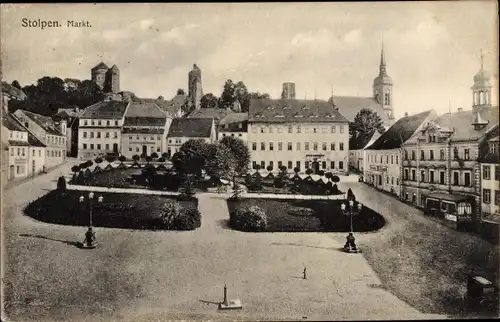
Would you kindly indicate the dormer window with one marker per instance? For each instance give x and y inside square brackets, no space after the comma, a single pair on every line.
[329,115]
[313,115]
[305,107]
[494,147]
[279,115]
[298,115]
[287,107]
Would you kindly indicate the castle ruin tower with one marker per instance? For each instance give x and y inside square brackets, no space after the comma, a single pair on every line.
[195,88]
[288,91]
[98,74]
[481,90]
[382,88]
[113,80]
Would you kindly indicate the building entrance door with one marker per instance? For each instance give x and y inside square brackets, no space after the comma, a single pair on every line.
[144,150]
[315,167]
[115,147]
[379,179]
[33,166]
[12,172]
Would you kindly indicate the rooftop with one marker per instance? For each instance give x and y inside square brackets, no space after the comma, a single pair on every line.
[210,113]
[13,124]
[190,127]
[101,65]
[400,132]
[44,122]
[105,110]
[172,107]
[12,91]
[363,140]
[485,155]
[282,110]
[349,106]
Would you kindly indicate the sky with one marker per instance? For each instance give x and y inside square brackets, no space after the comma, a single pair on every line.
[432,49]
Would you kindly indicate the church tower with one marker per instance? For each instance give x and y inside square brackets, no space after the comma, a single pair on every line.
[98,74]
[481,90]
[195,88]
[382,88]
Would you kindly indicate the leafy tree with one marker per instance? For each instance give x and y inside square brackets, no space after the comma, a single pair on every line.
[188,186]
[110,158]
[365,123]
[241,94]
[136,157]
[269,168]
[308,172]
[154,155]
[164,155]
[148,159]
[257,95]
[335,179]
[321,172]
[209,101]
[191,157]
[122,159]
[350,195]
[228,95]
[61,184]
[240,153]
[75,168]
[162,159]
[98,162]
[329,176]
[180,91]
[296,170]
[16,84]
[220,163]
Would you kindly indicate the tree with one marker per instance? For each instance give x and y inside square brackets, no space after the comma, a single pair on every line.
[321,173]
[257,167]
[75,168]
[164,155]
[110,158]
[154,155]
[98,161]
[136,157]
[240,153]
[269,168]
[122,159]
[191,157]
[16,84]
[335,179]
[257,95]
[350,195]
[296,170]
[228,96]
[209,101]
[366,122]
[148,159]
[308,172]
[241,94]
[180,91]
[220,163]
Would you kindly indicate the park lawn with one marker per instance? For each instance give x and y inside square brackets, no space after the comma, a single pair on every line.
[425,266]
[118,210]
[115,178]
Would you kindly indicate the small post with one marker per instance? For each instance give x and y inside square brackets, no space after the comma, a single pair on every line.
[305,273]
[225,295]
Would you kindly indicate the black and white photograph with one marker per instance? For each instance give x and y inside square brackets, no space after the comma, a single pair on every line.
[252,161]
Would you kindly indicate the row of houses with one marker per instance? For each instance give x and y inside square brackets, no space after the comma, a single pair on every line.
[31,143]
[446,164]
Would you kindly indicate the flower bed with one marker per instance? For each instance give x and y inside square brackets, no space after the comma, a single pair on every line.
[118,210]
[325,215]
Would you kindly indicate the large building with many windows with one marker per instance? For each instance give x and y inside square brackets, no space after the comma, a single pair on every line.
[100,126]
[182,130]
[489,160]
[298,133]
[235,125]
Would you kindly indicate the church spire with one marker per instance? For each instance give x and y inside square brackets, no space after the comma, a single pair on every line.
[383,71]
[482,60]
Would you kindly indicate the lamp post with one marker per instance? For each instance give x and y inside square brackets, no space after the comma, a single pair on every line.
[350,210]
[90,235]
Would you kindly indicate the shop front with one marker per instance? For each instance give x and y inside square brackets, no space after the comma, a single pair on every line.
[451,207]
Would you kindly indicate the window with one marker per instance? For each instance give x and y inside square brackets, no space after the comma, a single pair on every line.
[392,159]
[137,149]
[271,146]
[413,174]
[442,154]
[40,152]
[497,197]
[406,155]
[306,164]
[116,135]
[92,122]
[341,165]
[466,154]
[91,147]
[341,129]
[98,135]
[422,155]
[413,154]
[116,123]
[85,122]
[84,134]
[315,130]
[98,146]
[299,129]
[18,151]
[397,159]
[467,182]
[280,146]
[387,99]
[290,164]
[392,180]
[323,164]
[254,146]
[341,146]
[290,129]
[289,146]
[333,129]
[158,137]
[387,180]
[262,146]
[431,176]
[456,178]
[387,160]
[494,148]
[107,146]
[422,175]
[84,146]
[332,146]
[323,146]
[270,129]
[332,165]
[261,130]
[397,181]
[91,135]
[298,146]
[280,130]
[107,135]
[280,164]
[33,152]
[254,164]
[271,164]
[486,195]
[99,122]
[497,173]
[431,156]
[315,146]
[306,146]
[441,177]
[297,164]
[262,164]
[486,172]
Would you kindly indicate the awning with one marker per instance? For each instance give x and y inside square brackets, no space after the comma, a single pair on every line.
[492,218]
[449,197]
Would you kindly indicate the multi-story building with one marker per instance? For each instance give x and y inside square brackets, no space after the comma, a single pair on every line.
[100,127]
[383,157]
[235,125]
[357,149]
[144,130]
[184,129]
[52,135]
[489,159]
[70,116]
[298,133]
[440,168]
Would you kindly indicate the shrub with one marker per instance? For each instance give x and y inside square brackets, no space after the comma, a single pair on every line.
[61,184]
[309,171]
[190,219]
[88,173]
[164,155]
[168,213]
[249,219]
[335,179]
[188,186]
[162,159]
[301,211]
[269,168]
[136,157]
[148,171]
[75,168]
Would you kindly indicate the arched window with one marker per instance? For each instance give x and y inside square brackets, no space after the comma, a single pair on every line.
[387,99]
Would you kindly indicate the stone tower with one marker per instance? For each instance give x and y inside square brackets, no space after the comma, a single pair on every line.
[195,88]
[288,91]
[481,90]
[113,80]
[98,74]
[382,88]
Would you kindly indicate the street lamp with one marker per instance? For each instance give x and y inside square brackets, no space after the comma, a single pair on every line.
[90,240]
[351,211]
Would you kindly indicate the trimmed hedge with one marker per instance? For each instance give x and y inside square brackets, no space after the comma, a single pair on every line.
[251,218]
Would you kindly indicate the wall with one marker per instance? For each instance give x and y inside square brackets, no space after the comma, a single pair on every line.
[132,144]
[109,132]
[384,165]
[174,143]
[298,156]
[18,161]
[239,135]
[494,186]
[36,160]
[55,152]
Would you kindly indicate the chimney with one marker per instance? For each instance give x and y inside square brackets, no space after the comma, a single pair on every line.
[460,109]
[406,114]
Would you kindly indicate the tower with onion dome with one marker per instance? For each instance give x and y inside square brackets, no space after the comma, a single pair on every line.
[481,90]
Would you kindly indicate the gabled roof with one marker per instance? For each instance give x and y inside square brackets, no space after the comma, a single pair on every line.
[363,140]
[190,127]
[462,122]
[234,118]
[485,156]
[45,122]
[13,124]
[144,114]
[172,107]
[290,110]
[400,132]
[105,110]
[68,112]
[349,106]
[101,65]
[210,113]
[12,91]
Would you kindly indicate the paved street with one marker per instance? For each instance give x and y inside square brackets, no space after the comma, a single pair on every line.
[139,275]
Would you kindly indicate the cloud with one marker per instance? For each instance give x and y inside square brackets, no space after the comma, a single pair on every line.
[146,23]
[179,35]
[353,37]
